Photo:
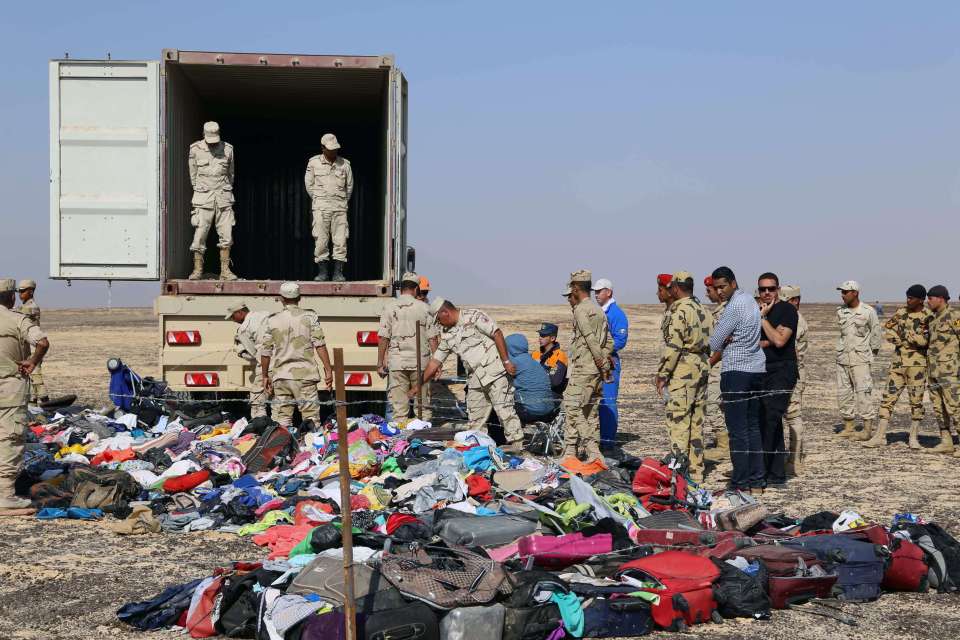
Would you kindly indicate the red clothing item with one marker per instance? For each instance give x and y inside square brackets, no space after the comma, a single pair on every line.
[280,539]
[397,520]
[186,482]
[478,487]
[112,455]
[359,503]
[299,517]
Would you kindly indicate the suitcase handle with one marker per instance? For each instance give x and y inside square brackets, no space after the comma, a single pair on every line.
[405,632]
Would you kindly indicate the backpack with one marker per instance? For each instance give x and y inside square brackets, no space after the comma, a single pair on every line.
[859,565]
[659,487]
[739,594]
[95,488]
[276,442]
[687,596]
[942,554]
[125,385]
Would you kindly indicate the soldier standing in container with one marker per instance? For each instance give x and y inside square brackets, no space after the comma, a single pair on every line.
[329,181]
[249,335]
[398,338]
[30,308]
[943,358]
[290,339]
[857,344]
[211,174]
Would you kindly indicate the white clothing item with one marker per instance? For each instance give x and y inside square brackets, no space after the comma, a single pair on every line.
[238,428]
[464,506]
[607,304]
[472,436]
[179,468]
[417,425]
[146,478]
[129,420]
[75,457]
[161,425]
[118,442]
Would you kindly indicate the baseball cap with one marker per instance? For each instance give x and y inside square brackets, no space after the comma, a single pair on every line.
[26,284]
[581,275]
[330,141]
[548,329]
[7,285]
[435,305]
[849,285]
[789,291]
[602,283]
[682,276]
[708,281]
[424,283]
[232,309]
[663,279]
[290,290]
[410,276]
[211,132]
[936,291]
[917,291]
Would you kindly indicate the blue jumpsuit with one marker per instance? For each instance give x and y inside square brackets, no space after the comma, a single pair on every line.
[617,320]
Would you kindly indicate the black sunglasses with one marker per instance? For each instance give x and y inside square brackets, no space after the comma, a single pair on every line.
[766,289]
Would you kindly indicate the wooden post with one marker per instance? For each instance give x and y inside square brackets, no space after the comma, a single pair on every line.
[420,382]
[343,453]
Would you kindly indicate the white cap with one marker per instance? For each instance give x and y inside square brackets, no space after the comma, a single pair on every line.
[211,132]
[330,141]
[290,290]
[849,285]
[602,283]
[232,309]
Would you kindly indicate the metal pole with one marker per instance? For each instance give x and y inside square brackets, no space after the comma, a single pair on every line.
[420,381]
[343,453]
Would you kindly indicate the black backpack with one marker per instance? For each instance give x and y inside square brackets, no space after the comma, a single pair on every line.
[740,595]
[239,604]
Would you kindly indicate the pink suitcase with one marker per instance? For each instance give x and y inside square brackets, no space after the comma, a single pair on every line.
[558,552]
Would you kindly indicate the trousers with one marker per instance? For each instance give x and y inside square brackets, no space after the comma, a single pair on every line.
[741,409]
[944,394]
[37,389]
[399,382]
[793,419]
[330,225]
[13,424]
[203,219]
[609,416]
[777,388]
[914,380]
[295,394]
[713,420]
[580,402]
[258,395]
[685,406]
[854,391]
[497,396]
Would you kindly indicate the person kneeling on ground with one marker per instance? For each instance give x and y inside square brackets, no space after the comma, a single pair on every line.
[531,384]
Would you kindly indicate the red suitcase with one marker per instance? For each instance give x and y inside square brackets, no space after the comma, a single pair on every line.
[908,569]
[787,590]
[558,552]
[687,596]
[874,533]
[779,560]
[671,538]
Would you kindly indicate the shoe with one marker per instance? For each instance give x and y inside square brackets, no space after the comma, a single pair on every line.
[777,485]
[864,434]
[14,502]
[225,273]
[323,273]
[944,446]
[879,438]
[338,271]
[849,428]
[914,441]
[197,272]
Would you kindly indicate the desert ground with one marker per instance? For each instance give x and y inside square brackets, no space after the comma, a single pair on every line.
[65,579]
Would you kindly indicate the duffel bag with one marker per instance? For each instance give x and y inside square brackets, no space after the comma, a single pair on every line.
[908,569]
[739,594]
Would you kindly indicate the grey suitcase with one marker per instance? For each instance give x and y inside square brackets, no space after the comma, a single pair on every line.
[484,531]
[324,577]
[473,623]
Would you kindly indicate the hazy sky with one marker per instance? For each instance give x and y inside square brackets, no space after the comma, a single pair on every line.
[819,140]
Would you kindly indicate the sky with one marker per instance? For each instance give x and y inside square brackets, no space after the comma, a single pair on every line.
[818,140]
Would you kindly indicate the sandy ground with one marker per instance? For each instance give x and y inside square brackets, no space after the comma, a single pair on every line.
[66,579]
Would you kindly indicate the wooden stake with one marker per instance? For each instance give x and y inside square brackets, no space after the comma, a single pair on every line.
[420,382]
[343,453]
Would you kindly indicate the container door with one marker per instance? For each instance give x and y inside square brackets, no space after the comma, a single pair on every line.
[104,170]
[398,170]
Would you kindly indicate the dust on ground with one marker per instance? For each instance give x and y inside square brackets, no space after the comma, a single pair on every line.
[65,579]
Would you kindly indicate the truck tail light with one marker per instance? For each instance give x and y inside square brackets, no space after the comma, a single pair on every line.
[356,379]
[201,379]
[177,338]
[368,338]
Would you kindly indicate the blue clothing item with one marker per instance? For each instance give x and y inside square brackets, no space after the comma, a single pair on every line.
[124,385]
[571,611]
[608,412]
[740,321]
[619,327]
[532,383]
[741,410]
[160,611]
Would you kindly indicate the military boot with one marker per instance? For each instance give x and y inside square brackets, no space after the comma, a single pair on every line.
[865,433]
[914,441]
[338,271]
[849,428]
[720,452]
[225,273]
[945,445]
[879,438]
[197,272]
[323,272]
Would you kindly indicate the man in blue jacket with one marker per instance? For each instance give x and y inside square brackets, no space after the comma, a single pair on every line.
[617,321]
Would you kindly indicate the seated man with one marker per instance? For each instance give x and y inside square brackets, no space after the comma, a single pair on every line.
[552,357]
[534,398]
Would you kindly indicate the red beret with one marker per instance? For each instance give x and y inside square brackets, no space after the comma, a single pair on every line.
[664,279]
[708,281]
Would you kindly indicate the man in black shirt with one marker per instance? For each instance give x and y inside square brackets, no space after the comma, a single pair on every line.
[779,325]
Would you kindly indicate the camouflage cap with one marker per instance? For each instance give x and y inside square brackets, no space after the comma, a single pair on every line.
[27,284]
[232,309]
[682,276]
[7,285]
[582,275]
[290,290]
[211,132]
[410,276]
[788,291]
[849,285]
[329,141]
[435,305]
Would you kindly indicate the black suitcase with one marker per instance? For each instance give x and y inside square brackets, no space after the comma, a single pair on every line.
[415,621]
[618,618]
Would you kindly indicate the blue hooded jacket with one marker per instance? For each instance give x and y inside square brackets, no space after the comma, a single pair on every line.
[532,382]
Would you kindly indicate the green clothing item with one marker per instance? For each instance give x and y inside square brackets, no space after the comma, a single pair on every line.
[389,466]
[269,519]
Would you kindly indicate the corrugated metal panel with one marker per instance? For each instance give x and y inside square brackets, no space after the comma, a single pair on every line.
[274,118]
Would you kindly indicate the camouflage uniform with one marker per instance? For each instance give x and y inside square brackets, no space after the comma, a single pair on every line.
[249,335]
[792,419]
[910,334]
[591,341]
[291,338]
[943,357]
[330,185]
[31,309]
[858,340]
[211,174]
[488,385]
[399,324]
[714,419]
[17,335]
[683,364]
